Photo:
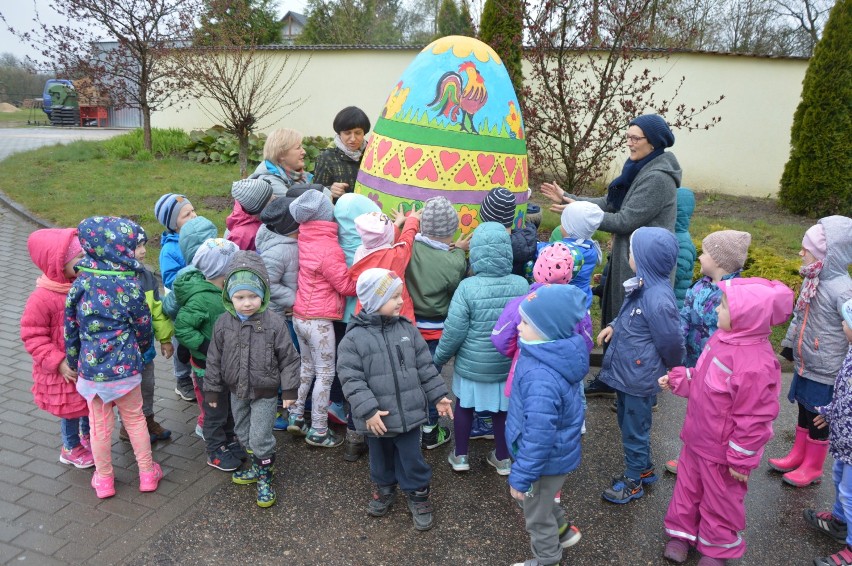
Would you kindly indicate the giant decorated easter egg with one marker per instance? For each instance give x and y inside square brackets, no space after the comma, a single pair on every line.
[451,127]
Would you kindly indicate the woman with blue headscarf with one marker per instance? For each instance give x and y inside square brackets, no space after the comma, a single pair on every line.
[645,194]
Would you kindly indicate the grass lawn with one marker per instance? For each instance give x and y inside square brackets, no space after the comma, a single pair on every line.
[19,118]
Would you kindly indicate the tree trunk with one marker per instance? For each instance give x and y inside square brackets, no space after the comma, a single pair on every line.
[146,128]
[243,158]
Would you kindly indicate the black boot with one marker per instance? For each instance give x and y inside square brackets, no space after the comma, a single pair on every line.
[420,508]
[354,446]
[383,498]
[597,388]
[265,493]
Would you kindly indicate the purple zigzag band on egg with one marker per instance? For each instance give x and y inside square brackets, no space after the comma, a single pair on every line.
[412,192]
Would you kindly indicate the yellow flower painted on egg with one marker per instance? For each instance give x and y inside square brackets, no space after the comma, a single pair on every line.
[463,47]
[467,219]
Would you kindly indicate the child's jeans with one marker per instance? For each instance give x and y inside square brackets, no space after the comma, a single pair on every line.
[634,420]
[71,431]
[399,460]
[544,517]
[316,345]
[253,420]
[102,422]
[841,473]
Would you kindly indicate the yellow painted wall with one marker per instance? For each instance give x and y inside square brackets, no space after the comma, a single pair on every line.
[743,155]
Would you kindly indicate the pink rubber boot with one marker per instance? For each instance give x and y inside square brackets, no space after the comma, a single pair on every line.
[794,459]
[811,469]
[148,481]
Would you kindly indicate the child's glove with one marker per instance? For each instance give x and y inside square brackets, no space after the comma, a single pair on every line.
[211,398]
[183,354]
[149,355]
[787,354]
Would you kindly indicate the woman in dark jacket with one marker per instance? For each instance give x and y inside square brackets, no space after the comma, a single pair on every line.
[645,194]
[339,164]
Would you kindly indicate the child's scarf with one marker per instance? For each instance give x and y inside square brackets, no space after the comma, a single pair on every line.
[46,283]
[809,285]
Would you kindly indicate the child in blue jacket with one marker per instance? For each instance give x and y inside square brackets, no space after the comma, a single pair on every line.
[546,414]
[645,341]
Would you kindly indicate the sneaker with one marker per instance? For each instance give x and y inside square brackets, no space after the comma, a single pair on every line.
[676,550]
[199,431]
[614,406]
[222,459]
[503,467]
[185,390]
[383,498]
[155,430]
[597,388]
[281,422]
[437,436]
[671,466]
[648,477]
[710,561]
[569,535]
[421,509]
[296,425]
[354,446]
[148,481]
[104,486]
[86,441]
[459,463]
[827,523]
[483,428]
[78,457]
[532,562]
[122,434]
[235,448]
[842,558]
[325,440]
[337,413]
[623,490]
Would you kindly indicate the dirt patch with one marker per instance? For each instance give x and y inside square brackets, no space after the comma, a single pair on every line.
[748,209]
[6,107]
[218,203]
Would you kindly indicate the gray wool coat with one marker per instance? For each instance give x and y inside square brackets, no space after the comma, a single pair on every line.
[280,255]
[651,201]
[384,364]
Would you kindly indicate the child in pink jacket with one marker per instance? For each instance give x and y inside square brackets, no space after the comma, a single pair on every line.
[322,285]
[56,251]
[732,400]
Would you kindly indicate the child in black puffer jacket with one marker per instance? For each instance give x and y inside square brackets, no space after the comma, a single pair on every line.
[388,378]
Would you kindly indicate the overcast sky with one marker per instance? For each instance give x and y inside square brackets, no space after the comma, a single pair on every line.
[20,14]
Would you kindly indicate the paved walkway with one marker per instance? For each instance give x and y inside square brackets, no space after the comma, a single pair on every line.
[13,140]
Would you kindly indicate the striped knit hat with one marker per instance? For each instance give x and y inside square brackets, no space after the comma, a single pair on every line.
[252,194]
[498,206]
[168,208]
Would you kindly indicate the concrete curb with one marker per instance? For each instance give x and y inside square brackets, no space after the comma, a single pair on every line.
[23,212]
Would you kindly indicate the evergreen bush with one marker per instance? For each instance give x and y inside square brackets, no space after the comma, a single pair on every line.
[501,27]
[817,179]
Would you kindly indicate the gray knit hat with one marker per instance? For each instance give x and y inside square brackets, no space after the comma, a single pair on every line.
[252,194]
[439,218]
[728,248]
[498,206]
[313,205]
[375,286]
[213,256]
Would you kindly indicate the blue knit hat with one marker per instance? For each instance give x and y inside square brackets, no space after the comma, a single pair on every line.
[168,208]
[554,310]
[655,129]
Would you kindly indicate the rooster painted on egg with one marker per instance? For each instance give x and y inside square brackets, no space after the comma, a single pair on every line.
[450,127]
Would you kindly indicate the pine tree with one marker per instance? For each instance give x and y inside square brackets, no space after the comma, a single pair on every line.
[817,179]
[449,18]
[501,27]
[467,27]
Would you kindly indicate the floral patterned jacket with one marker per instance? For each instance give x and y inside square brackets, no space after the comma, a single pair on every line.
[838,413]
[107,321]
[698,316]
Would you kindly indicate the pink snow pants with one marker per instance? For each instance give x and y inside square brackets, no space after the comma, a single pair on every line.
[102,422]
[707,507]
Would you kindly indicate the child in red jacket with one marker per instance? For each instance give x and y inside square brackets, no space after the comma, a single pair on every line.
[732,400]
[55,252]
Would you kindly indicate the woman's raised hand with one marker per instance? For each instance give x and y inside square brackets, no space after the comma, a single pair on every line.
[553,191]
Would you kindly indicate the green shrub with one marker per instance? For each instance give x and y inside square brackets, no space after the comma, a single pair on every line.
[218,146]
[501,27]
[130,145]
[77,151]
[817,179]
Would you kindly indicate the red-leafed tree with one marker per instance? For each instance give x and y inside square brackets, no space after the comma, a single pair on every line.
[118,45]
[588,60]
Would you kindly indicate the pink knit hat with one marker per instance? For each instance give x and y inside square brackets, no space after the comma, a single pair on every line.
[814,241]
[74,248]
[555,264]
[375,229]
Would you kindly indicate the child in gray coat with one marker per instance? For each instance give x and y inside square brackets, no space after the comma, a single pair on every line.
[388,377]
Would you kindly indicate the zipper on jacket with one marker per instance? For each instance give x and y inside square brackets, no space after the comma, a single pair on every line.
[396,381]
[401,357]
[802,337]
